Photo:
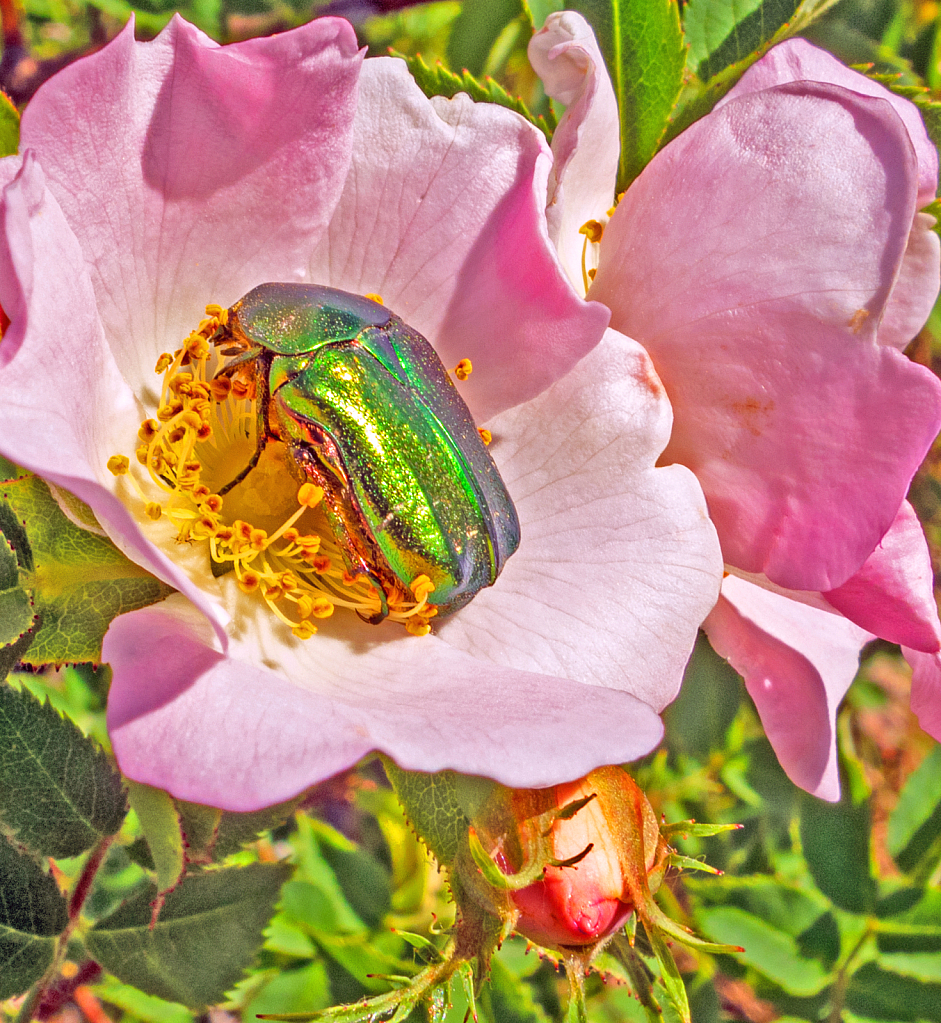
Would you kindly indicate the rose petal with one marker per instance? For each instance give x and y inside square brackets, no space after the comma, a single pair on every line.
[803,432]
[233,733]
[796,60]
[892,595]
[926,689]
[442,216]
[66,409]
[192,172]
[585,144]
[618,562]
[916,289]
[797,662]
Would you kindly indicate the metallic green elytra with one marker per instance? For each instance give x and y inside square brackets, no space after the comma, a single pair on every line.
[370,415]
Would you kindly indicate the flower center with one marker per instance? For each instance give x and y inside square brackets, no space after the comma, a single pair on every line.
[273,535]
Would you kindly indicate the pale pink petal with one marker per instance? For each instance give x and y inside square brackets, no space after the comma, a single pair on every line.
[892,595]
[66,409]
[586,142]
[618,562]
[443,217]
[192,172]
[235,733]
[797,662]
[796,60]
[753,258]
[926,689]
[916,289]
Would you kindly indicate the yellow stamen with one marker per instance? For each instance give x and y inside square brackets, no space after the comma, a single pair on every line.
[373,297]
[305,630]
[463,369]
[119,464]
[153,510]
[485,435]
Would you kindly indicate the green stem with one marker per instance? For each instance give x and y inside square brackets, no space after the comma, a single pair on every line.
[79,894]
[843,977]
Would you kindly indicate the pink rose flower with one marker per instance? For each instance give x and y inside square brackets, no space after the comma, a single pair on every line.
[773,262]
[156,178]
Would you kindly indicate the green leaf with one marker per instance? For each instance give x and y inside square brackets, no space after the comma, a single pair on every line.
[476,29]
[208,931]
[723,32]
[9,126]
[59,793]
[140,1006]
[880,994]
[32,913]
[161,826]
[915,822]
[365,882]
[305,988]
[433,806]
[709,699]
[835,838]
[923,966]
[16,615]
[437,80]
[237,829]
[79,581]
[767,949]
[508,999]
[645,53]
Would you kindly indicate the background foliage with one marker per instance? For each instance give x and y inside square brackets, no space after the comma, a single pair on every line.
[135,907]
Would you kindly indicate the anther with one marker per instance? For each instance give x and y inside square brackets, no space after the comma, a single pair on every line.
[421,586]
[309,495]
[485,435]
[322,608]
[373,297]
[149,429]
[214,503]
[463,369]
[119,464]
[220,387]
[153,510]
[250,581]
[304,630]
[592,230]
[164,363]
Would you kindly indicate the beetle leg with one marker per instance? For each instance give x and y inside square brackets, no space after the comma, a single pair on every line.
[359,552]
[261,431]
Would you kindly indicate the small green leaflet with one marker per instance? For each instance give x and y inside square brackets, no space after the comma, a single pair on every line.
[476,30]
[79,581]
[161,826]
[59,794]
[9,126]
[209,929]
[32,913]
[645,54]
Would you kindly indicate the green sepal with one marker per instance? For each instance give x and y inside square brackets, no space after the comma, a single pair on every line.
[682,862]
[161,826]
[690,829]
[670,975]
[639,974]
[209,929]
[433,807]
[437,80]
[645,54]
[32,913]
[59,793]
[9,126]
[79,581]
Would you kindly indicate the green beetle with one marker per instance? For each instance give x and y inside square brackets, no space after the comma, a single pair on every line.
[370,415]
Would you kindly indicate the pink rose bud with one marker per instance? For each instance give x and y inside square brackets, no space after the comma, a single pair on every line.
[594,855]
